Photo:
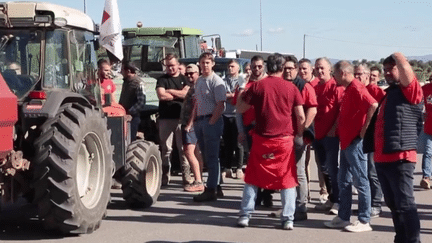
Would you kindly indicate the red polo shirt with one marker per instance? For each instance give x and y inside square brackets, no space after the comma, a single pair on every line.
[353,112]
[413,93]
[314,82]
[274,100]
[249,115]
[376,92]
[427,92]
[329,96]
[309,97]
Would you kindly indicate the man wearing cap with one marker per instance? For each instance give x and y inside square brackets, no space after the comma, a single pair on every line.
[190,149]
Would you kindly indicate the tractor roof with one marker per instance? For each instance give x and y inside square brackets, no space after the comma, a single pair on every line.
[22,14]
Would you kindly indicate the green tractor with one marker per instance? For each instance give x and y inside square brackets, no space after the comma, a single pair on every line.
[65,148]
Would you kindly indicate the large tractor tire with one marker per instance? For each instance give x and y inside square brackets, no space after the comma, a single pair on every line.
[142,174]
[72,169]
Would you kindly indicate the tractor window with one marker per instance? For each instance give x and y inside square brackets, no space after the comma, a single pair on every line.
[19,59]
[192,48]
[56,62]
[149,57]
[83,62]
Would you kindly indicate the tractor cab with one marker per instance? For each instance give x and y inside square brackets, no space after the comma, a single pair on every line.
[45,47]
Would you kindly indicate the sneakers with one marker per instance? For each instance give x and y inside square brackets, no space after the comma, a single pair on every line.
[288,225]
[239,174]
[324,206]
[194,187]
[425,183]
[337,223]
[243,221]
[375,212]
[358,226]
[335,209]
[206,196]
[323,198]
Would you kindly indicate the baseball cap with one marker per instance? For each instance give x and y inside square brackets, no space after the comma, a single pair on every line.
[192,68]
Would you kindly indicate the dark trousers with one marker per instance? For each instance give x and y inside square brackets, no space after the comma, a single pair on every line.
[376,192]
[397,180]
[327,151]
[232,150]
[134,125]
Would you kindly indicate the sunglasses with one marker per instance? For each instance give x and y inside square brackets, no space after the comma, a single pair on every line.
[187,74]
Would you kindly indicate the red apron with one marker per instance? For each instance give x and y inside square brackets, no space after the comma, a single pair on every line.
[271,163]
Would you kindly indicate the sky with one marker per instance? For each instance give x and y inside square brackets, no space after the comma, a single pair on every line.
[349,30]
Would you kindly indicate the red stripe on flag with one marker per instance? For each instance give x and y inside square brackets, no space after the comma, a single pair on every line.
[105,17]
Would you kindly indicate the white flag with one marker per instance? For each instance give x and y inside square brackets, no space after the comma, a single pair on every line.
[110,30]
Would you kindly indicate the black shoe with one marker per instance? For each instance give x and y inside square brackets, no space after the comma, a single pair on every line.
[258,199]
[206,196]
[219,192]
[300,216]
[267,200]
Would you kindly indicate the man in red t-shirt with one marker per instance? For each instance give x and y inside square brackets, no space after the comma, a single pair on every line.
[362,73]
[326,143]
[376,74]
[271,163]
[291,69]
[395,134]
[306,73]
[246,121]
[356,110]
[107,85]
[427,129]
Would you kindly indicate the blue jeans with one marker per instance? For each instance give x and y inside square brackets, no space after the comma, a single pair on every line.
[327,150]
[397,180]
[354,166]
[209,141]
[288,197]
[427,156]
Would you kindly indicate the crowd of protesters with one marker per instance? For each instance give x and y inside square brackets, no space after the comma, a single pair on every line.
[364,137]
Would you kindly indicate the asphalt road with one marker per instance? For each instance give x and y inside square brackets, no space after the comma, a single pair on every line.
[176,218]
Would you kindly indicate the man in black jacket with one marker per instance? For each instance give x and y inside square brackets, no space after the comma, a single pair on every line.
[132,96]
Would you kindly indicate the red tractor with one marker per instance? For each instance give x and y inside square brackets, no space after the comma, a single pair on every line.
[58,148]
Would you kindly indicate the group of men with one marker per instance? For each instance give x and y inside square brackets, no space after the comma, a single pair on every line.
[362,136]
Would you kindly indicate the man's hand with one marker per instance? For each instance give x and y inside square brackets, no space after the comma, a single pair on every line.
[188,128]
[298,142]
